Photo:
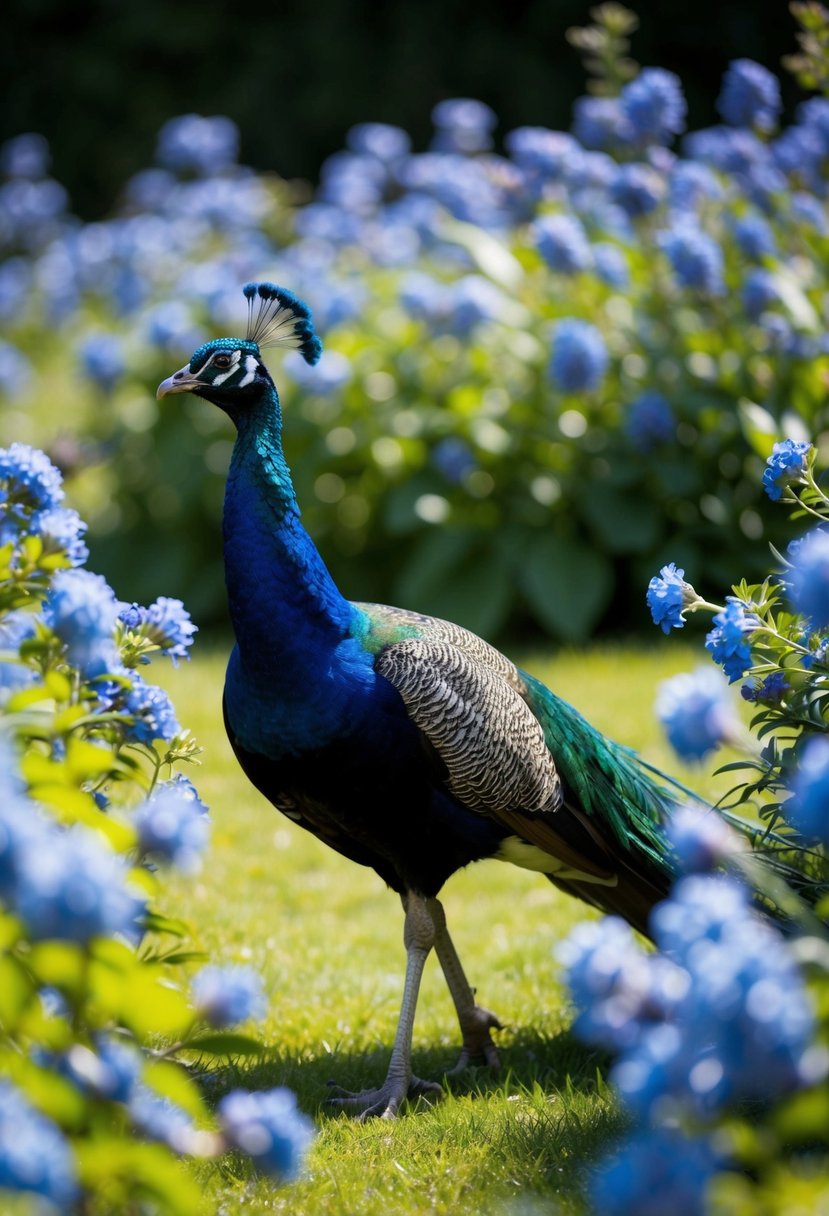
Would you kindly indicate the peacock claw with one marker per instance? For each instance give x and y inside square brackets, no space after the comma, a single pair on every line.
[382,1103]
[477,1040]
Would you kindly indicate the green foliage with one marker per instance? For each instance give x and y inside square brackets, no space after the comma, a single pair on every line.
[810,66]
[100,1033]
[605,45]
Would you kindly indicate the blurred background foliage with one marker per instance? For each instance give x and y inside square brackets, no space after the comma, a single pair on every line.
[98,77]
[458,449]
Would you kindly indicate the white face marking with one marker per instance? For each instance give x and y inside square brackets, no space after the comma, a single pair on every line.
[250,370]
[234,363]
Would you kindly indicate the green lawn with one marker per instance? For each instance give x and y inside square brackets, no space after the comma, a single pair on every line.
[327,937]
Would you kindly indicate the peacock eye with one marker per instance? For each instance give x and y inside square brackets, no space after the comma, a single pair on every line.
[221,361]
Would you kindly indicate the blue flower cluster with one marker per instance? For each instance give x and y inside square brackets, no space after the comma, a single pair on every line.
[786,464]
[64,884]
[729,640]
[268,1127]
[696,713]
[173,825]
[226,996]
[35,1158]
[718,1017]
[166,623]
[669,596]
[808,579]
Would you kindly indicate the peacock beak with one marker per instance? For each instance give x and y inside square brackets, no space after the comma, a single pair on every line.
[180,382]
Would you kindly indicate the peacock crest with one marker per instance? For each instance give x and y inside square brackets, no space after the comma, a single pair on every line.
[276,317]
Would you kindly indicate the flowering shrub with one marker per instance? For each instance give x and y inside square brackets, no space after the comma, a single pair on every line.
[98,1023]
[720,1038]
[611,329]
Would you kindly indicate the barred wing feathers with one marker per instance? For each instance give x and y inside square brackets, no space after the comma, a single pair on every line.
[605,821]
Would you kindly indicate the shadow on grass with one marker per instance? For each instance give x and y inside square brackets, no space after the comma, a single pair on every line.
[547,1114]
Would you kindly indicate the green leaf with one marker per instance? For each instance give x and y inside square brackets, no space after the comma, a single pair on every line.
[224,1043]
[568,585]
[126,1173]
[625,521]
[172,1081]
[804,1117]
[759,427]
[61,964]
[15,991]
[459,576]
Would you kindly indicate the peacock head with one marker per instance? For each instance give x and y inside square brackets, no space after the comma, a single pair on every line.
[229,371]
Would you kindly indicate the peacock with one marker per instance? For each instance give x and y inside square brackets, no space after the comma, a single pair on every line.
[406,743]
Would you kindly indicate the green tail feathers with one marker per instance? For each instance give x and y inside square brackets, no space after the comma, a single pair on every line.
[619,794]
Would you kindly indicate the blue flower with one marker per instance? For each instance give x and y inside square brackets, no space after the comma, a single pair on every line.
[226,996]
[471,300]
[696,713]
[166,623]
[787,463]
[809,210]
[611,264]
[669,596]
[692,184]
[173,824]
[759,291]
[771,689]
[701,839]
[562,242]
[171,328]
[655,1171]
[549,155]
[808,809]
[102,359]
[454,458]
[637,188]
[111,1072]
[424,297]
[154,716]
[82,610]
[579,358]
[695,257]
[649,422]
[747,1023]
[601,124]
[654,105]
[15,628]
[21,827]
[25,156]
[160,1118]
[728,640]
[463,125]
[71,887]
[34,1156]
[618,990]
[61,529]
[15,371]
[28,478]
[380,139]
[269,1128]
[193,144]
[329,374]
[754,236]
[808,580]
[750,96]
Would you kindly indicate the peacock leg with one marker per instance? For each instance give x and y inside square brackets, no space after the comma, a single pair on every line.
[475,1021]
[400,1084]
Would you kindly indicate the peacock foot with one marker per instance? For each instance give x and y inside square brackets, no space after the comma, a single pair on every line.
[385,1102]
[476,1026]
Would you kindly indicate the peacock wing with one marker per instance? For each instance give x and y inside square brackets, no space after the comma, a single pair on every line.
[493,750]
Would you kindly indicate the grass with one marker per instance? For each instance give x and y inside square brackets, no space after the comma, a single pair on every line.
[327,937]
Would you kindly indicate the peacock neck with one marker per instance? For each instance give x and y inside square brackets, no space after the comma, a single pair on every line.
[284,605]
